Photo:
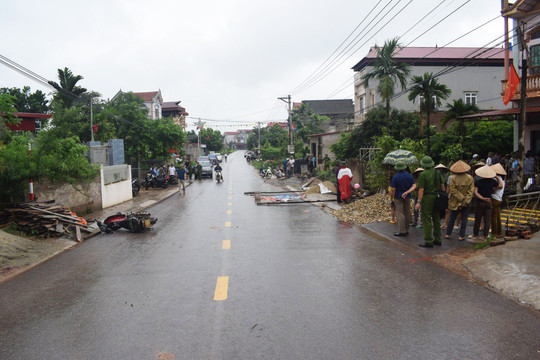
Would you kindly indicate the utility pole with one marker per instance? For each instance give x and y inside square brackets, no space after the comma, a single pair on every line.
[522,111]
[289,121]
[259,128]
[91,119]
[199,127]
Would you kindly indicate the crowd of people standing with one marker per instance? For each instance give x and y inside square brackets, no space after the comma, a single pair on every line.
[450,194]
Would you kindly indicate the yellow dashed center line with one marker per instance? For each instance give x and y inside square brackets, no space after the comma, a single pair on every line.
[230,197]
[228,224]
[229,204]
[222,287]
[226,244]
[229,212]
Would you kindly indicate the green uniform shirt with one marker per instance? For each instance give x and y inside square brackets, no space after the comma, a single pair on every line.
[428,181]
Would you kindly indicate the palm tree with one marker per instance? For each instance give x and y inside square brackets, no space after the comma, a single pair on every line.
[67,89]
[431,92]
[455,111]
[387,72]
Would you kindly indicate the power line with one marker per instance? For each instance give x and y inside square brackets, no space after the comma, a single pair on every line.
[327,71]
[328,58]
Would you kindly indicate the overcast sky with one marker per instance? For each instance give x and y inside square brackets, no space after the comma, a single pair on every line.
[227,61]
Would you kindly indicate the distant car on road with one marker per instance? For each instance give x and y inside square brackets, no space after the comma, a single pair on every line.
[206,168]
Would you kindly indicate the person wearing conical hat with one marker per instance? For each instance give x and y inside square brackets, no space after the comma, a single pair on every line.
[430,182]
[484,185]
[459,197]
[496,201]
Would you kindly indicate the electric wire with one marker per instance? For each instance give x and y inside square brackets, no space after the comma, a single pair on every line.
[327,71]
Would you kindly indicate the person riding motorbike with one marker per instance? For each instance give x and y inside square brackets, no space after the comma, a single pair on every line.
[218,168]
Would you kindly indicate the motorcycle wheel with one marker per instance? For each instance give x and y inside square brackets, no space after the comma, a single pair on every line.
[165,185]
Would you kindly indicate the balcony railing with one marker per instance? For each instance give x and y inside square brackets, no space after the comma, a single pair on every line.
[533,87]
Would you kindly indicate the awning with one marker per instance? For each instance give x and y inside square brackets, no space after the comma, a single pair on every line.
[497,113]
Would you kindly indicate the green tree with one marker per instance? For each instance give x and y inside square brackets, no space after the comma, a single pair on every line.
[401,126]
[275,136]
[431,92]
[67,88]
[387,72]
[7,115]
[456,110]
[143,138]
[192,137]
[26,101]
[212,138]
[53,158]
[306,122]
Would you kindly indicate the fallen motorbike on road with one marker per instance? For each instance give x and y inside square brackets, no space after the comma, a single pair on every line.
[133,222]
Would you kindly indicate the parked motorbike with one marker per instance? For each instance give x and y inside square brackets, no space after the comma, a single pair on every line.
[135,187]
[266,173]
[219,176]
[172,180]
[153,181]
[133,222]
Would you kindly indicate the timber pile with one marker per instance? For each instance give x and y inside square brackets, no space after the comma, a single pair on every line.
[44,219]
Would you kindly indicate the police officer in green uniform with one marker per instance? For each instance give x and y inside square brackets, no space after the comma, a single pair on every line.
[429,181]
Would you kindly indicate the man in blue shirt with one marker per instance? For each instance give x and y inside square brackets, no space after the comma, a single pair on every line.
[181,172]
[401,187]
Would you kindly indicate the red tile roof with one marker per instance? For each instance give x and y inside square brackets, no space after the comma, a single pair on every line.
[146,96]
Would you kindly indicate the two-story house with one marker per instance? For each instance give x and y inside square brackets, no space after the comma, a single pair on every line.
[472,74]
[153,102]
[177,112]
[526,16]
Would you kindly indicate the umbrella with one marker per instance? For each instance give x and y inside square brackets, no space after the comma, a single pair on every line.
[393,157]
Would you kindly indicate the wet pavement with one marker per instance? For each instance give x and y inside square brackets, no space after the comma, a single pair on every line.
[299,285]
[513,269]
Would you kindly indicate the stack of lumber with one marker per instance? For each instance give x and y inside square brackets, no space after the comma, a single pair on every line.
[44,219]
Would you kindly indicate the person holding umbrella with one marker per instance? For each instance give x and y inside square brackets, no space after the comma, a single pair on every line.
[429,183]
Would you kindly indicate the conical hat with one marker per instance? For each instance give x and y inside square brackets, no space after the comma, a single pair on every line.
[485,172]
[478,164]
[418,170]
[460,167]
[441,166]
[498,169]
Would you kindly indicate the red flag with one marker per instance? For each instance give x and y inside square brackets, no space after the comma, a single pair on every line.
[95,128]
[511,85]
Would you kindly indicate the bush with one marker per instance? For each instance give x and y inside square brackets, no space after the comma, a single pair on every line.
[56,159]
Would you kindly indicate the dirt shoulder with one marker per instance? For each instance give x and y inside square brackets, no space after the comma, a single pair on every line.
[18,253]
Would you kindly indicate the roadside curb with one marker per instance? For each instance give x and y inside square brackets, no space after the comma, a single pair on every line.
[94,215]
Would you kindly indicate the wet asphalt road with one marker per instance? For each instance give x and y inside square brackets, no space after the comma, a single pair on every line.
[222,278]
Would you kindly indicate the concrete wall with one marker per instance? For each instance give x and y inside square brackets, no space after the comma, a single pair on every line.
[116,192]
[322,143]
[80,197]
[83,197]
